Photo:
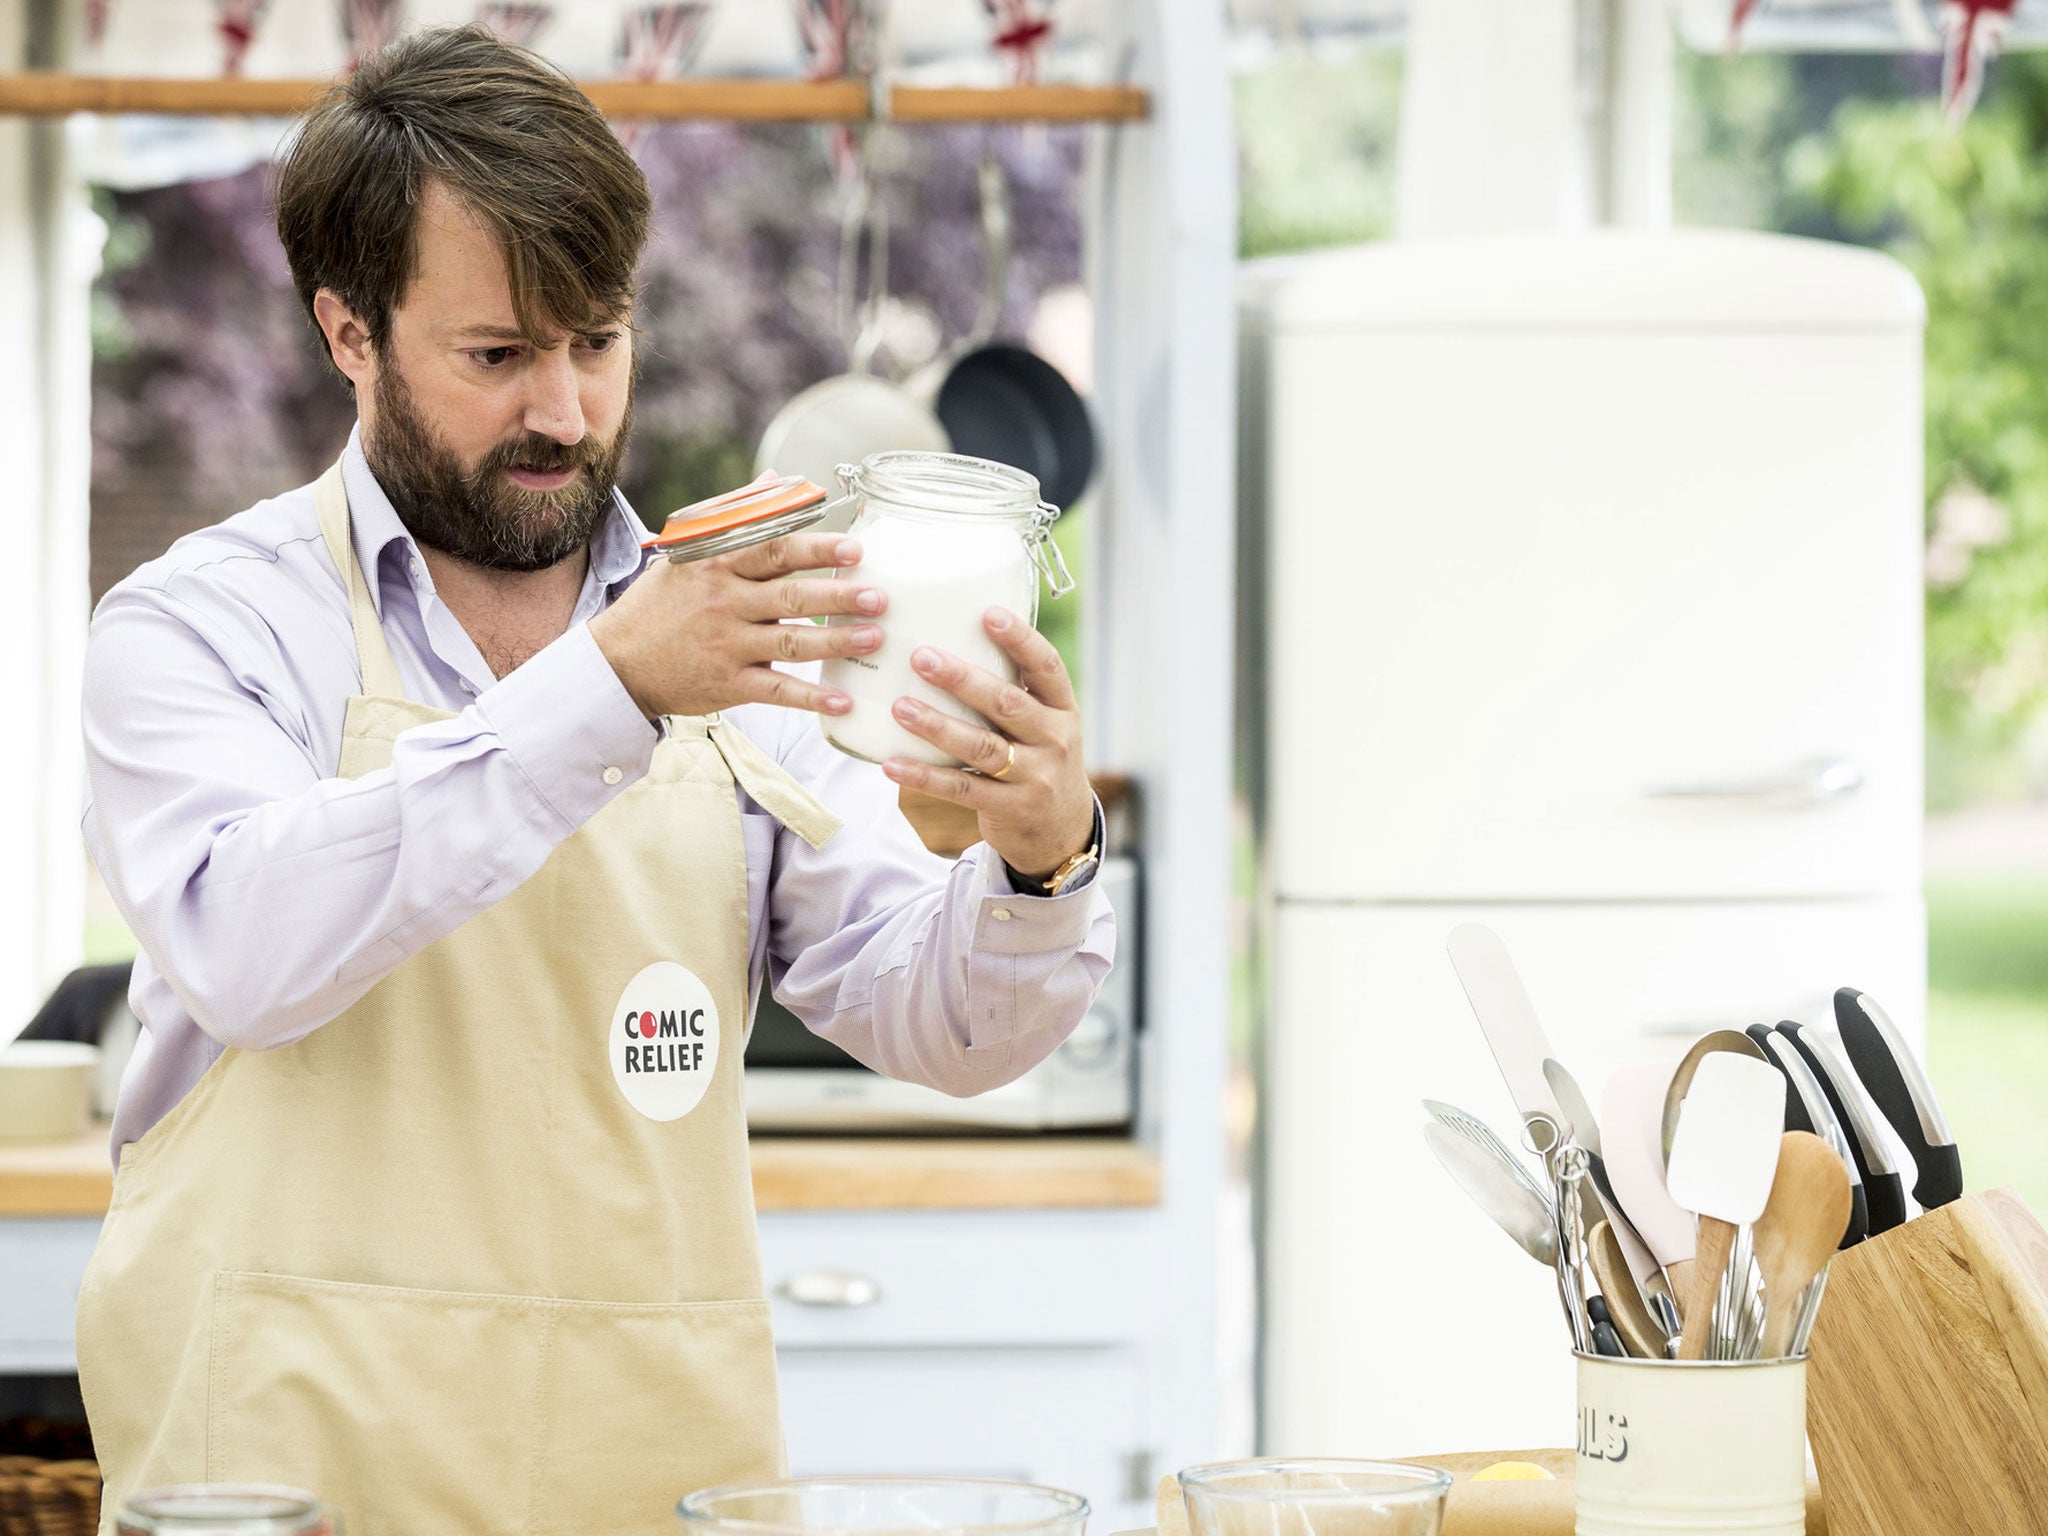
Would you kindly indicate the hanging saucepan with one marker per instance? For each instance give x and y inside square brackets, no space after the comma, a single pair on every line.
[1002,401]
[843,419]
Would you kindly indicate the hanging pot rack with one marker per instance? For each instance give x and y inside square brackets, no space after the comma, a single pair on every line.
[53,94]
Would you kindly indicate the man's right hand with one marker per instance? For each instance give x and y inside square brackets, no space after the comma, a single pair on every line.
[701,636]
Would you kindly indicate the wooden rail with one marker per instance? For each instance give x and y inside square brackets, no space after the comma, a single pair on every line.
[48,94]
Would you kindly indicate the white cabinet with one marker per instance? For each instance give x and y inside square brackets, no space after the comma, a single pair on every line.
[1019,1344]
[1399,1320]
[42,1260]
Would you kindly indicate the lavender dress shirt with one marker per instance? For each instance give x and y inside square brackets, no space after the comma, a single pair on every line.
[268,895]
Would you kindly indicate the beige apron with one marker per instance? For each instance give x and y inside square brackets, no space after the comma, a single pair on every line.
[438,1261]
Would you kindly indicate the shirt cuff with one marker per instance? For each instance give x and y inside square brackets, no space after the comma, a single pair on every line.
[571,727]
[1024,885]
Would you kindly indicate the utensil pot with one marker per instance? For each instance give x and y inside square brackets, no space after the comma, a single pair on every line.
[1711,1445]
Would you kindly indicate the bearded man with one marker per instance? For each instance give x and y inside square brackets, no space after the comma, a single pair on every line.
[458,847]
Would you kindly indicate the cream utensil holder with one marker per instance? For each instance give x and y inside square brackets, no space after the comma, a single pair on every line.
[1691,1447]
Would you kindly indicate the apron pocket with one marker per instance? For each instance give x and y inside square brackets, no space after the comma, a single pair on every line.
[646,1402]
[412,1411]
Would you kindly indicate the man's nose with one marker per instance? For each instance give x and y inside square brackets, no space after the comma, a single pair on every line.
[554,407]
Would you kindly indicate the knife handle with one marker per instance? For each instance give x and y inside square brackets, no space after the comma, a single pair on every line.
[1859,1216]
[1886,1197]
[1883,1061]
[1941,1175]
[1606,1339]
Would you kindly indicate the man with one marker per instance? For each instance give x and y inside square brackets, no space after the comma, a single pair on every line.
[456,853]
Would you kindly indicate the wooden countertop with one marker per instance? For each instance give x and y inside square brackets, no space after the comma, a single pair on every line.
[791,1173]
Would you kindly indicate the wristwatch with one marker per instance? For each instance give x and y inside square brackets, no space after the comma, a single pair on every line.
[1070,876]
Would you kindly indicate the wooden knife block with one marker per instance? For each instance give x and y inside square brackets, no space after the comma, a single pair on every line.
[1927,1378]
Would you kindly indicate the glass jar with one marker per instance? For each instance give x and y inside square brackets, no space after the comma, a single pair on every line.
[1314,1498]
[226,1509]
[884,1506]
[946,537]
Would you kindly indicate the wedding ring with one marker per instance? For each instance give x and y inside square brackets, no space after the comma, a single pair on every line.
[1004,771]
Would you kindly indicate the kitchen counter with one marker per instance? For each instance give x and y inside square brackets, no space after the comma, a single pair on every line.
[791,1173]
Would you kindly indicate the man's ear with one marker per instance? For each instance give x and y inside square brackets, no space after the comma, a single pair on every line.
[348,339]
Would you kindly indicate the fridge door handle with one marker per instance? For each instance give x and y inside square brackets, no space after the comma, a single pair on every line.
[829,1288]
[1805,785]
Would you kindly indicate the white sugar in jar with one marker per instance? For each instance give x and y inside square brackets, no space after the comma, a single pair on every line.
[947,537]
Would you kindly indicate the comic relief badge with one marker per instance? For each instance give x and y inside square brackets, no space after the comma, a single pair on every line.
[664,1041]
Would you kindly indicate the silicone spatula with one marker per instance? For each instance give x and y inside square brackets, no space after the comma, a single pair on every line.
[1723,1158]
[1632,1136]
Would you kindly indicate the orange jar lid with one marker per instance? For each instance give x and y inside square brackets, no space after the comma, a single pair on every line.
[752,514]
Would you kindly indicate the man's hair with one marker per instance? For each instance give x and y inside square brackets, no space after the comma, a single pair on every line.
[502,130]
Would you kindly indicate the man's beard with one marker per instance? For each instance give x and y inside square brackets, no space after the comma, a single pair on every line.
[483,517]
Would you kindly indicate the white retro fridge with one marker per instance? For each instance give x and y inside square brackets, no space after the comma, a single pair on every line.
[1583,599]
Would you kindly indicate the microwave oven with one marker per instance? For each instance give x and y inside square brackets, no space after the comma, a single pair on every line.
[796,1082]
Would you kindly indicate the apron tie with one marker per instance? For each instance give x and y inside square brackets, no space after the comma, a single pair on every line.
[771,785]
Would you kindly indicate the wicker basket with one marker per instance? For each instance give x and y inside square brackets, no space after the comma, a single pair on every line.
[48,1498]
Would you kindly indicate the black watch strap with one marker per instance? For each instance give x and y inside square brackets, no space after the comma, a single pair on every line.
[1026,885]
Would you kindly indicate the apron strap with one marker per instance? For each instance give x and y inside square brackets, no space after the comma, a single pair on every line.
[373,652]
[771,785]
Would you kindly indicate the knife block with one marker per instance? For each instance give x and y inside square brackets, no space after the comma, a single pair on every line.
[1927,1376]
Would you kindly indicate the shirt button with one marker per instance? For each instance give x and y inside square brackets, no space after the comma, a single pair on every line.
[612,775]
[1001,914]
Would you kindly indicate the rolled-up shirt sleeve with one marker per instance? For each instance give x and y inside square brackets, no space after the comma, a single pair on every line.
[927,970]
[271,894]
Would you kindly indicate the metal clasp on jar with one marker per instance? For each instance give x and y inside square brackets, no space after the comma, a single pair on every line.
[1045,554]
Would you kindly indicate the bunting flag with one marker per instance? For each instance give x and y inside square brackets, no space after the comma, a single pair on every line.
[518,25]
[238,22]
[1023,28]
[368,25]
[1971,31]
[1738,18]
[658,42]
[840,39]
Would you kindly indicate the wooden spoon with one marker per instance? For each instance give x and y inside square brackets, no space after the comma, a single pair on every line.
[1797,1234]
[1639,1330]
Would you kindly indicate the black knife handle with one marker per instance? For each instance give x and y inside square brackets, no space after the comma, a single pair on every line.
[1859,1216]
[1885,1193]
[1941,1176]
[1796,1117]
[1940,1168]
[1606,1338]
[1833,1090]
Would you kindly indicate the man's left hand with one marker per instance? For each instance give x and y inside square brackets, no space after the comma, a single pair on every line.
[1041,812]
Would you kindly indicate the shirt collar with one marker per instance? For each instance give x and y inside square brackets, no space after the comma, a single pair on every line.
[374,527]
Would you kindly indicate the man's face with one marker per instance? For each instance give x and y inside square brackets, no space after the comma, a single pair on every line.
[492,449]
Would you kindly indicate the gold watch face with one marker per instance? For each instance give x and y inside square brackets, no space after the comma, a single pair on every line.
[1070,871]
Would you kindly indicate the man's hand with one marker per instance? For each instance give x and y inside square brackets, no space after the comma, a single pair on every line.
[1040,813]
[688,639]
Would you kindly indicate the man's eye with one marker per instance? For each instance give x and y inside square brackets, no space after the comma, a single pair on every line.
[494,357]
[601,341]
